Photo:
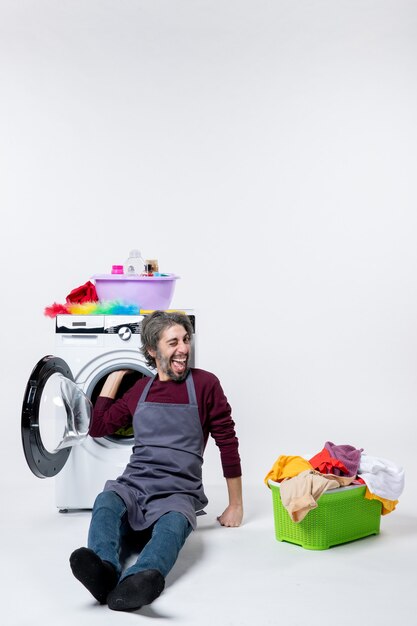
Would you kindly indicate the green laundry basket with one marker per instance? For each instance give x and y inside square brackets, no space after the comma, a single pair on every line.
[342,515]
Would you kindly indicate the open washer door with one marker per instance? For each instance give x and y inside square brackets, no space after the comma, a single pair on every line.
[55,416]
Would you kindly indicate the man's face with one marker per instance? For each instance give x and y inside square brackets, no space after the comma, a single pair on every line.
[173,353]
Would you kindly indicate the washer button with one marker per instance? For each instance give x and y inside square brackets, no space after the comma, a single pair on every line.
[125,333]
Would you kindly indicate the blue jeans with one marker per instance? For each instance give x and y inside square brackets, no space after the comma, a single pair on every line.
[109,530]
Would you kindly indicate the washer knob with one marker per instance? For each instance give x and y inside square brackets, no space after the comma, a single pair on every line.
[125,333]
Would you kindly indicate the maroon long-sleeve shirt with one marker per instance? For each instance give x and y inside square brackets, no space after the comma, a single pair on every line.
[215,413]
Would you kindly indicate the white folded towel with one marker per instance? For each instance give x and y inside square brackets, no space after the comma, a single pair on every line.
[382,477]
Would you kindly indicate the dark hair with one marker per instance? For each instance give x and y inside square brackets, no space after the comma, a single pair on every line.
[153,326]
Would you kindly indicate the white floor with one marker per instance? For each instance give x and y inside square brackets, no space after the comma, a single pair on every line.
[223,576]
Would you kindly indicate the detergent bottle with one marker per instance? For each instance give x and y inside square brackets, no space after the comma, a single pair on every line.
[134,264]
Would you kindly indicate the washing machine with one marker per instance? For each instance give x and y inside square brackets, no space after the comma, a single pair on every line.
[58,402]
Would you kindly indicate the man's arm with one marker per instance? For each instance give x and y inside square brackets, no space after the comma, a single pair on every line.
[106,419]
[220,425]
[112,383]
[232,516]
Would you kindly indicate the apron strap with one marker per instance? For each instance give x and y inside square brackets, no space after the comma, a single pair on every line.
[146,390]
[192,397]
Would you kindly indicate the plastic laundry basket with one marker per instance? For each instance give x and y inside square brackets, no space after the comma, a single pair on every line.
[147,292]
[342,515]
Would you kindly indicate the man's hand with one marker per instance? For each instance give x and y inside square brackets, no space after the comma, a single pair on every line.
[232,516]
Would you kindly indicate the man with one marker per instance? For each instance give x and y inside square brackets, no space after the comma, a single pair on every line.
[159,494]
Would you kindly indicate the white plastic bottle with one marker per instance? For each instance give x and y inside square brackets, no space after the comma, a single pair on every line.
[134,264]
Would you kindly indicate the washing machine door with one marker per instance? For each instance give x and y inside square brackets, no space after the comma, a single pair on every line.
[55,416]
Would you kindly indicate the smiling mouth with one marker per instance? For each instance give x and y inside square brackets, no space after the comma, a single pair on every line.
[179,365]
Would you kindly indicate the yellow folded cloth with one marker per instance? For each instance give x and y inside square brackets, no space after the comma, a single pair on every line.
[287,467]
[388,506]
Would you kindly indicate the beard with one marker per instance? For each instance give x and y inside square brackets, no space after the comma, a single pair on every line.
[165,365]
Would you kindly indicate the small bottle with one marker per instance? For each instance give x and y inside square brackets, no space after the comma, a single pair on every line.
[154,265]
[134,264]
[148,270]
[117,269]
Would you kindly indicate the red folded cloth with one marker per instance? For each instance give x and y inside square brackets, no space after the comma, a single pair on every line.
[84,293]
[326,464]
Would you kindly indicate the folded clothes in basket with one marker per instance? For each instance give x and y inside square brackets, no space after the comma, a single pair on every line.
[335,466]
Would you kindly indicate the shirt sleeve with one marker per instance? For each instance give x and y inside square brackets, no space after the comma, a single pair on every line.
[109,415]
[222,429]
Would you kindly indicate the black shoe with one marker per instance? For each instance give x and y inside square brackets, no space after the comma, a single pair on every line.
[98,576]
[136,591]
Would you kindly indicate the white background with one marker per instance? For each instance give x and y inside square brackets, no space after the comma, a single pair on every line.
[265,151]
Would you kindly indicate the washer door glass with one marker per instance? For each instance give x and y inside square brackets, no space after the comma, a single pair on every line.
[64,414]
[55,416]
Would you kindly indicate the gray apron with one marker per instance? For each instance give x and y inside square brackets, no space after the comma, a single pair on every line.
[164,471]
